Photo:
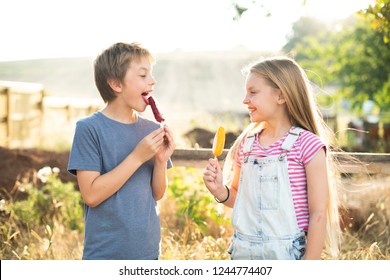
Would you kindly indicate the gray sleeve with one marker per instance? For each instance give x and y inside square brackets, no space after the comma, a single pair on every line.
[169,164]
[85,153]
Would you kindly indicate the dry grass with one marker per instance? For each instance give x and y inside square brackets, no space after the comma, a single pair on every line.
[39,243]
[367,235]
[194,228]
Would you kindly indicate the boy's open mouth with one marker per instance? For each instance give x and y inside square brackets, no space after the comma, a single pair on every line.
[145,96]
[149,100]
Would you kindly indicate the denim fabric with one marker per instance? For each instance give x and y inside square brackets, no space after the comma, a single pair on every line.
[264,217]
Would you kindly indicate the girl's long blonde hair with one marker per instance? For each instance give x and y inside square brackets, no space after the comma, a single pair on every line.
[285,74]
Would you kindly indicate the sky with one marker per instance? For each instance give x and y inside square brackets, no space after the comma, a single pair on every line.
[32,29]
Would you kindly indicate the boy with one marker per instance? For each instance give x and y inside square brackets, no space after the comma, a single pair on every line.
[121,160]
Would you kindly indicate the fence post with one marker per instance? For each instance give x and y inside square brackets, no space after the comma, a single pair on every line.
[4,118]
[8,116]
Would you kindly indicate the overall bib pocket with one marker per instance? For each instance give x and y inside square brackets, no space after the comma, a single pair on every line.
[269,192]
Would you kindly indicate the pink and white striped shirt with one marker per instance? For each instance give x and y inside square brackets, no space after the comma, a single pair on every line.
[304,149]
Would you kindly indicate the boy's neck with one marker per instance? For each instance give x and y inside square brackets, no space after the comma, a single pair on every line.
[123,115]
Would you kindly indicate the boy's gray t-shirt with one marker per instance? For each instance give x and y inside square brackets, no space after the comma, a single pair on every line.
[127,224]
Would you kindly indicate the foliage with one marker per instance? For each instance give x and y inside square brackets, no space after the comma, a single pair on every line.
[303,28]
[240,7]
[31,226]
[364,66]
[187,238]
[356,59]
[193,201]
[378,15]
[193,225]
[55,200]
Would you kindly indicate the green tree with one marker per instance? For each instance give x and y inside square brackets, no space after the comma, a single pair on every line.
[241,6]
[364,72]
[379,16]
[303,28]
[357,59]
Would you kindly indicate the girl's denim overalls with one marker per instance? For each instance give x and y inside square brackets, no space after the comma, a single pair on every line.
[264,216]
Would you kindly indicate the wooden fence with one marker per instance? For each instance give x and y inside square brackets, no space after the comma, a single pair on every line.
[20,112]
[28,114]
[25,110]
[372,163]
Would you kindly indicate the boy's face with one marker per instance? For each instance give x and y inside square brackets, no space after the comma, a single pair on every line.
[137,83]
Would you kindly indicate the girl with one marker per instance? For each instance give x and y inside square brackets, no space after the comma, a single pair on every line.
[277,175]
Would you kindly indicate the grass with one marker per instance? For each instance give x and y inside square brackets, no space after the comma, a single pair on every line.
[367,236]
[194,227]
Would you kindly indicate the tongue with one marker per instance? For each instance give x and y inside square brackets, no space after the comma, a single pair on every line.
[146,98]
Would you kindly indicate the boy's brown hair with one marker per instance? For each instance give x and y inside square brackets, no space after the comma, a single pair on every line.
[113,63]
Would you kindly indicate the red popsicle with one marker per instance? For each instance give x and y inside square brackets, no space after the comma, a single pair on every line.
[156,112]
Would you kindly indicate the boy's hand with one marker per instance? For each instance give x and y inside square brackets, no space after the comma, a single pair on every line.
[168,146]
[150,145]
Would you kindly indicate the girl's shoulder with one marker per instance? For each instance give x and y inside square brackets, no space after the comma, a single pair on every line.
[306,137]
[308,145]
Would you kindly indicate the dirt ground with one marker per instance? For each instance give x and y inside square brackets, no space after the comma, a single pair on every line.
[21,165]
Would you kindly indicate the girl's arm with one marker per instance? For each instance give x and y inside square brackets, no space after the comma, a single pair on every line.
[95,187]
[212,177]
[317,189]
[159,177]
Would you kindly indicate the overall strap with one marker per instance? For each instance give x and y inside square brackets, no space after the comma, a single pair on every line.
[249,140]
[291,138]
[248,144]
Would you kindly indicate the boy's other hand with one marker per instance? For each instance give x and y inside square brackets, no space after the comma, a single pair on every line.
[168,146]
[150,145]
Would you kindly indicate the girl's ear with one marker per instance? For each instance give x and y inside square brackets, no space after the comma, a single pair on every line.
[280,97]
[115,84]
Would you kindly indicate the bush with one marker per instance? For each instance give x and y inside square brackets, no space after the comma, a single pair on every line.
[29,225]
[55,200]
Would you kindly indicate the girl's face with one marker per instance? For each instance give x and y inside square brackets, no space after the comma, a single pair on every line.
[138,82]
[263,100]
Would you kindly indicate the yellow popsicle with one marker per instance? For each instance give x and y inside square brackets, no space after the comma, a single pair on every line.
[219,141]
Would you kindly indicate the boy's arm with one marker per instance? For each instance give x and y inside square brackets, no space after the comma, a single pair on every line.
[96,187]
[159,180]
[159,177]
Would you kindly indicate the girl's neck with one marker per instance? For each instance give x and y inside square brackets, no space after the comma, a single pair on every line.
[271,133]
[276,130]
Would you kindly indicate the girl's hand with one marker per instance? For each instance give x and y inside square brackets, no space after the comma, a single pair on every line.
[212,178]
[167,147]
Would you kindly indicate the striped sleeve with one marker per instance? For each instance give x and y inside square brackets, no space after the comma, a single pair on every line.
[240,154]
[310,145]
